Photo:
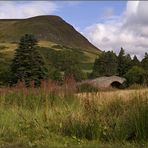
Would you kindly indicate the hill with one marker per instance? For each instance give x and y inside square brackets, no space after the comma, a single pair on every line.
[45,28]
[52,32]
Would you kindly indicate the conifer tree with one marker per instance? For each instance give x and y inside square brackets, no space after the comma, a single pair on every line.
[28,65]
[135,61]
[124,62]
[121,65]
[144,62]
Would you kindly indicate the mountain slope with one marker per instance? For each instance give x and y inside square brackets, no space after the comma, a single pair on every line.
[45,28]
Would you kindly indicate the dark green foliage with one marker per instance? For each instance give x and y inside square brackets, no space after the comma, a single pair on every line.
[67,61]
[146,77]
[50,56]
[124,62]
[87,66]
[55,74]
[105,65]
[121,65]
[136,75]
[28,65]
[70,63]
[135,61]
[144,62]
[4,69]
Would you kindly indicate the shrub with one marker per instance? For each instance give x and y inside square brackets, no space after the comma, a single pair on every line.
[135,75]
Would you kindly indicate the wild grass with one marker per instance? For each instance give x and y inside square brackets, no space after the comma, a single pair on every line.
[53,116]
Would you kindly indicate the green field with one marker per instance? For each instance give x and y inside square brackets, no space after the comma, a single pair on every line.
[53,116]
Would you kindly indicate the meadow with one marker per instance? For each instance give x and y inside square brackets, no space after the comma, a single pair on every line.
[53,116]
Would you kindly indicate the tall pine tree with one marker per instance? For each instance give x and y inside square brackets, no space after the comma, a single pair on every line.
[144,62]
[124,62]
[135,61]
[28,65]
[121,65]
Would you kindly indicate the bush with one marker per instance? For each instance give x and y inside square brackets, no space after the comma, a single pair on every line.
[55,74]
[135,75]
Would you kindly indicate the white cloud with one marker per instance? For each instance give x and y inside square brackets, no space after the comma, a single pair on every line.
[131,7]
[24,9]
[129,31]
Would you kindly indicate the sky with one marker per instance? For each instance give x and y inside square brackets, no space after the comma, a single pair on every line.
[109,25]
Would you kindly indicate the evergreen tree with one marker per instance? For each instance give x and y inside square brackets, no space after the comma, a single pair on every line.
[124,62]
[105,65]
[28,65]
[144,62]
[128,62]
[121,65]
[135,61]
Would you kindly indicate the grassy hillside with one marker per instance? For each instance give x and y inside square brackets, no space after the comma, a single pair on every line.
[46,48]
[52,32]
[45,28]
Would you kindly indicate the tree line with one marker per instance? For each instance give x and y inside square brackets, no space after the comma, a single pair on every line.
[28,64]
[108,64]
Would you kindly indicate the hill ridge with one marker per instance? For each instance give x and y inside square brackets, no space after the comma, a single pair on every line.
[47,28]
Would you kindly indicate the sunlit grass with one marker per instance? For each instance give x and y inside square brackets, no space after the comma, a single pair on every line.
[53,116]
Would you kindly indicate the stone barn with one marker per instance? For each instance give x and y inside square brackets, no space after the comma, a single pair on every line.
[106,82]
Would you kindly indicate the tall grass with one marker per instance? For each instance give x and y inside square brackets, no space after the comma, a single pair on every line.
[57,116]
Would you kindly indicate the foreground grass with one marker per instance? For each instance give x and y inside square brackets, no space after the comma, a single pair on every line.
[55,117]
